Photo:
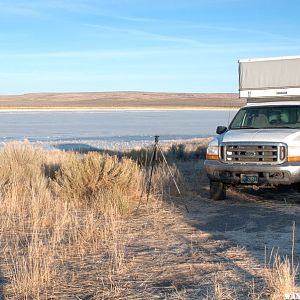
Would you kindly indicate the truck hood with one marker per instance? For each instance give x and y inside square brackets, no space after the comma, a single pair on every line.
[289,136]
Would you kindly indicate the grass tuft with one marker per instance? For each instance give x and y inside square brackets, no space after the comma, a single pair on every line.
[281,278]
[57,207]
[97,181]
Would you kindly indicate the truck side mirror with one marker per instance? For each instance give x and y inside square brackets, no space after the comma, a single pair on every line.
[221,129]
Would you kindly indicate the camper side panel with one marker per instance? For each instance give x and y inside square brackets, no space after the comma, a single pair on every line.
[263,78]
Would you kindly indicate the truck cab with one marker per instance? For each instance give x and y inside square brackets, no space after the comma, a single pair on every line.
[261,145]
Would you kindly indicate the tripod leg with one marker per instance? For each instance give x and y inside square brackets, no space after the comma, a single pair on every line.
[170,171]
[153,158]
[146,183]
[172,175]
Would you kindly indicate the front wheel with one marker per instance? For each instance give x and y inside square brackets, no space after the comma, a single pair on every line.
[217,190]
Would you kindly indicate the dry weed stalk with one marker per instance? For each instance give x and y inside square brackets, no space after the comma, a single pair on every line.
[220,292]
[162,182]
[56,206]
[31,268]
[281,278]
[255,292]
[115,241]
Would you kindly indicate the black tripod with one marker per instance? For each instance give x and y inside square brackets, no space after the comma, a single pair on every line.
[153,161]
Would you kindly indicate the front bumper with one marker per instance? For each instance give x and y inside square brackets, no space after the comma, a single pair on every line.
[283,174]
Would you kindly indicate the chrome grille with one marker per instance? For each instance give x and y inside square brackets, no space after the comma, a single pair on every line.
[253,153]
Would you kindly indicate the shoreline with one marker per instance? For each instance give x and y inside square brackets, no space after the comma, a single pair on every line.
[111,109]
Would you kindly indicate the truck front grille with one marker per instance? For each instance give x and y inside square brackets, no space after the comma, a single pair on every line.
[253,153]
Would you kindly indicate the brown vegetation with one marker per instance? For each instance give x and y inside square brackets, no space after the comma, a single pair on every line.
[121,100]
[57,207]
[42,220]
[281,278]
[70,229]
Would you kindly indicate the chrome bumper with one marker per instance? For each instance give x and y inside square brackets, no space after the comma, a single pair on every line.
[283,174]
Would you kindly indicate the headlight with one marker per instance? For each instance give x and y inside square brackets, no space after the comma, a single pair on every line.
[294,154]
[212,152]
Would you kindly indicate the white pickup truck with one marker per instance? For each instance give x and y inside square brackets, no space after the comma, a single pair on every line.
[261,146]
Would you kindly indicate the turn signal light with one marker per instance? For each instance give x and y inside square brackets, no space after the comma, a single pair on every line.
[212,157]
[294,158]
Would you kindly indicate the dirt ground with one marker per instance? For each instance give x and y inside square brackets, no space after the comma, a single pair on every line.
[174,254]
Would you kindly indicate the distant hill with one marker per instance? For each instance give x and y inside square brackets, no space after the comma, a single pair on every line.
[121,100]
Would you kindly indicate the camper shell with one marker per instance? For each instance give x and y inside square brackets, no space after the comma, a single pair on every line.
[273,78]
[261,146]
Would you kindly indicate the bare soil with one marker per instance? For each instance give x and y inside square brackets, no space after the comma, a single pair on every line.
[174,254]
[120,100]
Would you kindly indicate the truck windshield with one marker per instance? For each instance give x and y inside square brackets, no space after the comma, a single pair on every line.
[260,117]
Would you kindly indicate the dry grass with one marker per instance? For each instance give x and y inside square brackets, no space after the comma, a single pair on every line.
[59,207]
[220,292]
[281,278]
[99,181]
[56,206]
[280,284]
[121,100]
[68,223]
[176,150]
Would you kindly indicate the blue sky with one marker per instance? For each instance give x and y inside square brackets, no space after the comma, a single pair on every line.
[113,45]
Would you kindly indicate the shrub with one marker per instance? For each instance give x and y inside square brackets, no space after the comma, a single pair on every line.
[96,180]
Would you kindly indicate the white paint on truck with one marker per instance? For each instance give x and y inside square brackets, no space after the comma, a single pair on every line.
[261,146]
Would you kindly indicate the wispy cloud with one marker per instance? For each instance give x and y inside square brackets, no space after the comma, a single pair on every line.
[33,8]
[101,54]
[69,54]
[204,49]
[200,44]
[18,8]
[229,29]
[142,34]
[79,76]
[136,19]
[45,8]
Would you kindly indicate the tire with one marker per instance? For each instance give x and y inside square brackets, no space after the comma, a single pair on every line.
[217,190]
[296,187]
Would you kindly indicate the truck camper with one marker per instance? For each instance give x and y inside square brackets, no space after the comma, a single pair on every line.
[261,146]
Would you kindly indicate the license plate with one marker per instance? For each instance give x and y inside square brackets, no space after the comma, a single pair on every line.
[249,178]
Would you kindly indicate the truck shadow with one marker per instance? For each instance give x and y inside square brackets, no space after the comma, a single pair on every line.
[259,223]
[261,217]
